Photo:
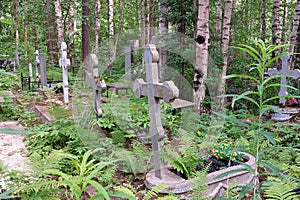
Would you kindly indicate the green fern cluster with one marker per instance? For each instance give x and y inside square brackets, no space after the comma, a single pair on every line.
[276,189]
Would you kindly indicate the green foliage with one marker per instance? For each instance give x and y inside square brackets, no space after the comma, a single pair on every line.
[8,80]
[61,134]
[86,171]
[131,193]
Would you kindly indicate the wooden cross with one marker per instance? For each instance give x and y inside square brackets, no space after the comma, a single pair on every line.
[284,72]
[155,91]
[65,63]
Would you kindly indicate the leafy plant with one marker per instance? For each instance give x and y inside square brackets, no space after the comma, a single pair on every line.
[262,56]
[86,171]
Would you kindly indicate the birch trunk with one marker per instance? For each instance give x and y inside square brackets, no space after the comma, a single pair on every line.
[201,62]
[85,29]
[277,24]
[218,33]
[59,22]
[224,48]
[71,28]
[16,19]
[97,23]
[111,18]
[295,28]
[151,19]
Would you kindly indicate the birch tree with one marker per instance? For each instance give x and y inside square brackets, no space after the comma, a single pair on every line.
[224,49]
[201,62]
[71,28]
[59,22]
[263,20]
[295,27]
[97,23]
[277,24]
[111,17]
[85,29]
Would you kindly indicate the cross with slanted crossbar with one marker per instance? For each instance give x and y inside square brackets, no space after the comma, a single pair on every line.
[155,91]
[284,72]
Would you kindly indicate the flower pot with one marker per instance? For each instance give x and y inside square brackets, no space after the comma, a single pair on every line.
[215,187]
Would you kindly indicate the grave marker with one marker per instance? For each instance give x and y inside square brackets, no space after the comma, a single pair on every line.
[65,63]
[30,69]
[128,61]
[43,69]
[17,60]
[284,72]
[37,64]
[155,91]
[96,83]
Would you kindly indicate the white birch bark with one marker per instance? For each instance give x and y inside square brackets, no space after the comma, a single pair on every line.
[97,23]
[277,24]
[201,62]
[295,28]
[59,22]
[111,17]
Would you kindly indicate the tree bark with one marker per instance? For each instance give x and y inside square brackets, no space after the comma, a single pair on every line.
[51,34]
[85,29]
[71,28]
[143,24]
[218,28]
[163,30]
[263,21]
[201,62]
[151,19]
[97,23]
[295,27]
[16,19]
[111,17]
[277,24]
[224,48]
[59,22]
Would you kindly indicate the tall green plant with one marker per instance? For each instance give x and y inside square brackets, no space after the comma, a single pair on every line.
[262,56]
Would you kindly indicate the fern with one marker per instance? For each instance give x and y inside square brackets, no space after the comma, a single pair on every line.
[200,183]
[280,189]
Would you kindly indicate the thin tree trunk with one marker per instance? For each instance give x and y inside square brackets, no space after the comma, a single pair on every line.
[224,48]
[51,36]
[97,23]
[151,19]
[201,62]
[218,29]
[111,17]
[163,30]
[277,24]
[59,22]
[295,28]
[16,19]
[85,29]
[143,24]
[263,20]
[71,28]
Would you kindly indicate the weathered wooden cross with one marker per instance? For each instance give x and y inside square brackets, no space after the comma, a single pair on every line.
[155,91]
[64,64]
[284,72]
[43,70]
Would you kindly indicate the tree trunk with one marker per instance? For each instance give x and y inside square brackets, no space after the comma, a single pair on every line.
[143,24]
[201,62]
[71,28]
[85,29]
[295,28]
[16,19]
[263,21]
[97,23]
[163,30]
[59,22]
[224,48]
[218,29]
[151,19]
[111,18]
[277,24]
[51,36]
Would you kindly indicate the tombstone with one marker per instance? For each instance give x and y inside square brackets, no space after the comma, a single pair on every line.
[37,64]
[155,91]
[65,63]
[284,73]
[43,69]
[16,63]
[30,69]
[128,62]
[96,83]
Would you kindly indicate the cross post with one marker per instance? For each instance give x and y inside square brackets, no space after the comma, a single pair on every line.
[65,63]
[155,91]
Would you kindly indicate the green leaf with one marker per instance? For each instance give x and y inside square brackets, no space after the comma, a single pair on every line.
[101,191]
[268,136]
[6,21]
[241,76]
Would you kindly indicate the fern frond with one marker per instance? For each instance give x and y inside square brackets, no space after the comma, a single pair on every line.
[125,192]
[154,191]
[280,191]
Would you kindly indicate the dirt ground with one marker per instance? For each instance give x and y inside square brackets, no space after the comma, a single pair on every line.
[12,148]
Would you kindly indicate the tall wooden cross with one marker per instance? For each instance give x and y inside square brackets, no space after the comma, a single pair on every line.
[65,63]
[284,72]
[37,64]
[155,91]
